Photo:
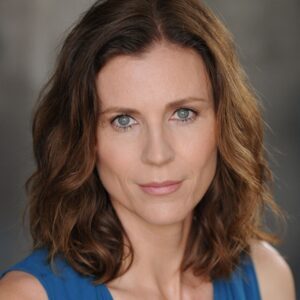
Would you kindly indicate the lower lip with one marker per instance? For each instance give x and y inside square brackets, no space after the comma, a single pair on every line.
[163,190]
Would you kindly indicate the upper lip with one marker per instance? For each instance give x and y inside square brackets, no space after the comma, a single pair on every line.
[160,184]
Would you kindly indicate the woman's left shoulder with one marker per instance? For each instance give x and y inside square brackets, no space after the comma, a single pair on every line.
[273,273]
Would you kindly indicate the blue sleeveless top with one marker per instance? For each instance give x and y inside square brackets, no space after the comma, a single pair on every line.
[63,282]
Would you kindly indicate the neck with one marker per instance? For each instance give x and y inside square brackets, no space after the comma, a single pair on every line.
[158,251]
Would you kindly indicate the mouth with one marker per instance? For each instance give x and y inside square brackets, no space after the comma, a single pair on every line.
[161,188]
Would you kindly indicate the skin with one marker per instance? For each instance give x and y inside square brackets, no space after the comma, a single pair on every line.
[159,147]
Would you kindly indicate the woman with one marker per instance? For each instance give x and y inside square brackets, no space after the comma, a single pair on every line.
[151,177]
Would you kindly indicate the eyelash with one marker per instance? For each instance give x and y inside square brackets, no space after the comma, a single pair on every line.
[187,120]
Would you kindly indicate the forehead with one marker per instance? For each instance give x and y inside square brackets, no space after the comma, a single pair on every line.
[163,73]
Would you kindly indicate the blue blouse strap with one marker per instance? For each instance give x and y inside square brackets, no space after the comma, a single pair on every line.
[251,285]
[242,284]
[61,281]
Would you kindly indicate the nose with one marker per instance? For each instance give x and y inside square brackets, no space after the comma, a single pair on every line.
[157,149]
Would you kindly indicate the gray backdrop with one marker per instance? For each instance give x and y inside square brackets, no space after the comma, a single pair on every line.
[267,33]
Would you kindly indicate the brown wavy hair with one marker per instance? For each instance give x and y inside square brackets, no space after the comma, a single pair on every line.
[70,211]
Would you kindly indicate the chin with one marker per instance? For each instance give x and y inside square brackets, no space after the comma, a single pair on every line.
[164,218]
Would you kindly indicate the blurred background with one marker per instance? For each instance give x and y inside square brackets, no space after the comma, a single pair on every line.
[267,34]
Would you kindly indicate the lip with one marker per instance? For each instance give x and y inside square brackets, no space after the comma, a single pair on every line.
[160,184]
[161,188]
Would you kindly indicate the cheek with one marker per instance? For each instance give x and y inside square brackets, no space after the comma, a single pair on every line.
[114,161]
[199,148]
[200,164]
[199,157]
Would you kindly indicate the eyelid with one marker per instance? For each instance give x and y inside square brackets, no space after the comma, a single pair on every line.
[119,116]
[131,115]
[190,119]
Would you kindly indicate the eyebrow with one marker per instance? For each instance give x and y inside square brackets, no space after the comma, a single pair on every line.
[170,105]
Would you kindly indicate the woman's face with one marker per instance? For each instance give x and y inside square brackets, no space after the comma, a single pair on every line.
[144,136]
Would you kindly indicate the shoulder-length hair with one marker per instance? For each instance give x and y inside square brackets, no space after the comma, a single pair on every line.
[70,210]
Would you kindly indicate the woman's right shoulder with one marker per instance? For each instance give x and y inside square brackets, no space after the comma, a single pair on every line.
[18,285]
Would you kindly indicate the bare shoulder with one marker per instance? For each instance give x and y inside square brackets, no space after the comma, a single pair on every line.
[274,274]
[17,285]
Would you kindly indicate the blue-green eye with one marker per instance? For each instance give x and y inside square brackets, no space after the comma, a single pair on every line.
[186,114]
[122,122]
